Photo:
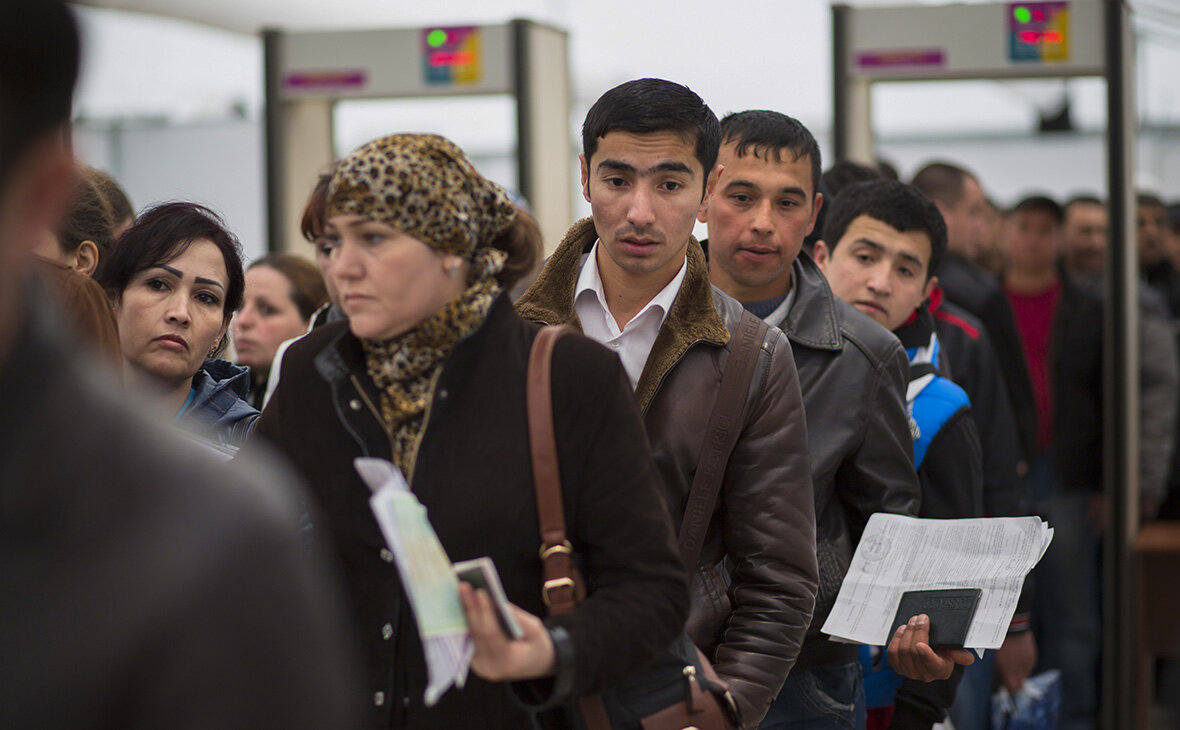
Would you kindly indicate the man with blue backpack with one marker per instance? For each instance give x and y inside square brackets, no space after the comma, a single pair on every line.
[882,244]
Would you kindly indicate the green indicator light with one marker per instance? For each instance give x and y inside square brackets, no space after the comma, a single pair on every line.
[436,38]
[1022,14]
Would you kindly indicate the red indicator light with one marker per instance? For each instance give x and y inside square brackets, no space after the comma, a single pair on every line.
[459,58]
[1039,16]
[1029,36]
[1053,36]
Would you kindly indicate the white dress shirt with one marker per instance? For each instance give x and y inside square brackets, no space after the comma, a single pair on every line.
[632,343]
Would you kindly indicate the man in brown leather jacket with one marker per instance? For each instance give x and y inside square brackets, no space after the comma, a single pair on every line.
[852,371]
[633,278]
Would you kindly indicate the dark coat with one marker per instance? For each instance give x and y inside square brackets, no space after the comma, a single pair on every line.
[853,374]
[978,292]
[144,586]
[763,524]
[951,475]
[473,474]
[971,362]
[1075,362]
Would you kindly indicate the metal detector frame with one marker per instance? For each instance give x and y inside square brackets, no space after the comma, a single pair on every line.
[1105,50]
[526,60]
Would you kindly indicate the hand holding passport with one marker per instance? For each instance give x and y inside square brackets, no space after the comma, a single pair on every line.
[932,626]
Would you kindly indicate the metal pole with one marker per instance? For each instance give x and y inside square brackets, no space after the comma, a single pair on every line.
[840,121]
[521,58]
[273,131]
[1121,381]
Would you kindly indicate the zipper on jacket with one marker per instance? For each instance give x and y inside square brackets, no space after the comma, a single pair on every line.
[373,409]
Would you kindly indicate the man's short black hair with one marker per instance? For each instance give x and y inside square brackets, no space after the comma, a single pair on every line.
[895,204]
[846,173]
[1082,200]
[644,106]
[942,182]
[768,134]
[1149,200]
[38,69]
[1040,204]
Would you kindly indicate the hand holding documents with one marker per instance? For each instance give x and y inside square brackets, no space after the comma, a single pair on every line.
[898,554]
[427,577]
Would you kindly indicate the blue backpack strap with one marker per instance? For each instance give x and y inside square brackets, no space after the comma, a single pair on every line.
[931,409]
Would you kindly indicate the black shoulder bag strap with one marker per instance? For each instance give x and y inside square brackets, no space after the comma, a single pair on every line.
[721,435]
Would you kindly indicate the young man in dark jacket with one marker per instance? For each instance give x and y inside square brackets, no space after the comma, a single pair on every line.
[633,278]
[960,198]
[882,244]
[852,372]
[144,587]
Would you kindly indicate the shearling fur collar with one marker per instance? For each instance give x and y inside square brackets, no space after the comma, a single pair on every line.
[692,319]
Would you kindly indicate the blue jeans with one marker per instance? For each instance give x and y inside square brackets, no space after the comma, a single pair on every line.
[829,697]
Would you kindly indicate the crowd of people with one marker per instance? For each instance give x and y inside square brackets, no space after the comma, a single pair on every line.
[188,543]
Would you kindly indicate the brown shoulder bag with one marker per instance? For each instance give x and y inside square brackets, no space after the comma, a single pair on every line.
[704,707]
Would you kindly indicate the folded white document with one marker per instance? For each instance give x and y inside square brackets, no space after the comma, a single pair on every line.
[898,554]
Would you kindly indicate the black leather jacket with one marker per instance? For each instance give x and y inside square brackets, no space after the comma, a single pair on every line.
[853,375]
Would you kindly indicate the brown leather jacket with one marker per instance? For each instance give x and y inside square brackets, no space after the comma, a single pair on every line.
[755,587]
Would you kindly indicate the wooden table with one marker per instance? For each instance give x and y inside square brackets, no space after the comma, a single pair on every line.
[1157,560]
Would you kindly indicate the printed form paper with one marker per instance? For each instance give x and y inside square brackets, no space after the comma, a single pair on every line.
[426,575]
[898,554]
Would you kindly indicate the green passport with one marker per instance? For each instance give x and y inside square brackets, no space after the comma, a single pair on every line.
[950,610]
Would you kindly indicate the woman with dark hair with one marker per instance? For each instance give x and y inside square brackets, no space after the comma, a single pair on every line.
[283,291]
[429,373]
[175,280]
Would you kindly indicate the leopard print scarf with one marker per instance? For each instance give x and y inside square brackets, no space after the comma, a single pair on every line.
[423,185]
[405,369]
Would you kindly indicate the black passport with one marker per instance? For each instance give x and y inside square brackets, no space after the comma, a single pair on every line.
[950,610]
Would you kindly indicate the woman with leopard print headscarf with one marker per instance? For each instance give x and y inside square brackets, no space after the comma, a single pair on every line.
[429,373]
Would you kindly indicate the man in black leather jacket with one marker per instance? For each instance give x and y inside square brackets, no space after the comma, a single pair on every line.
[852,372]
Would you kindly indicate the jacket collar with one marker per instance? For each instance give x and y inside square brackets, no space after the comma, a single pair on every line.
[221,388]
[692,319]
[813,320]
[917,329]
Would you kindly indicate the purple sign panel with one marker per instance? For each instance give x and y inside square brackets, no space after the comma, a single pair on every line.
[334,80]
[901,58]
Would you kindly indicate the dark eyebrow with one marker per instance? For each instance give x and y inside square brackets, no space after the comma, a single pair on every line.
[667,166]
[670,166]
[878,247]
[617,165]
[180,275]
[910,257]
[740,183]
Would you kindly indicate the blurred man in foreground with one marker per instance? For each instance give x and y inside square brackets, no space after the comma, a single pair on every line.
[143,587]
